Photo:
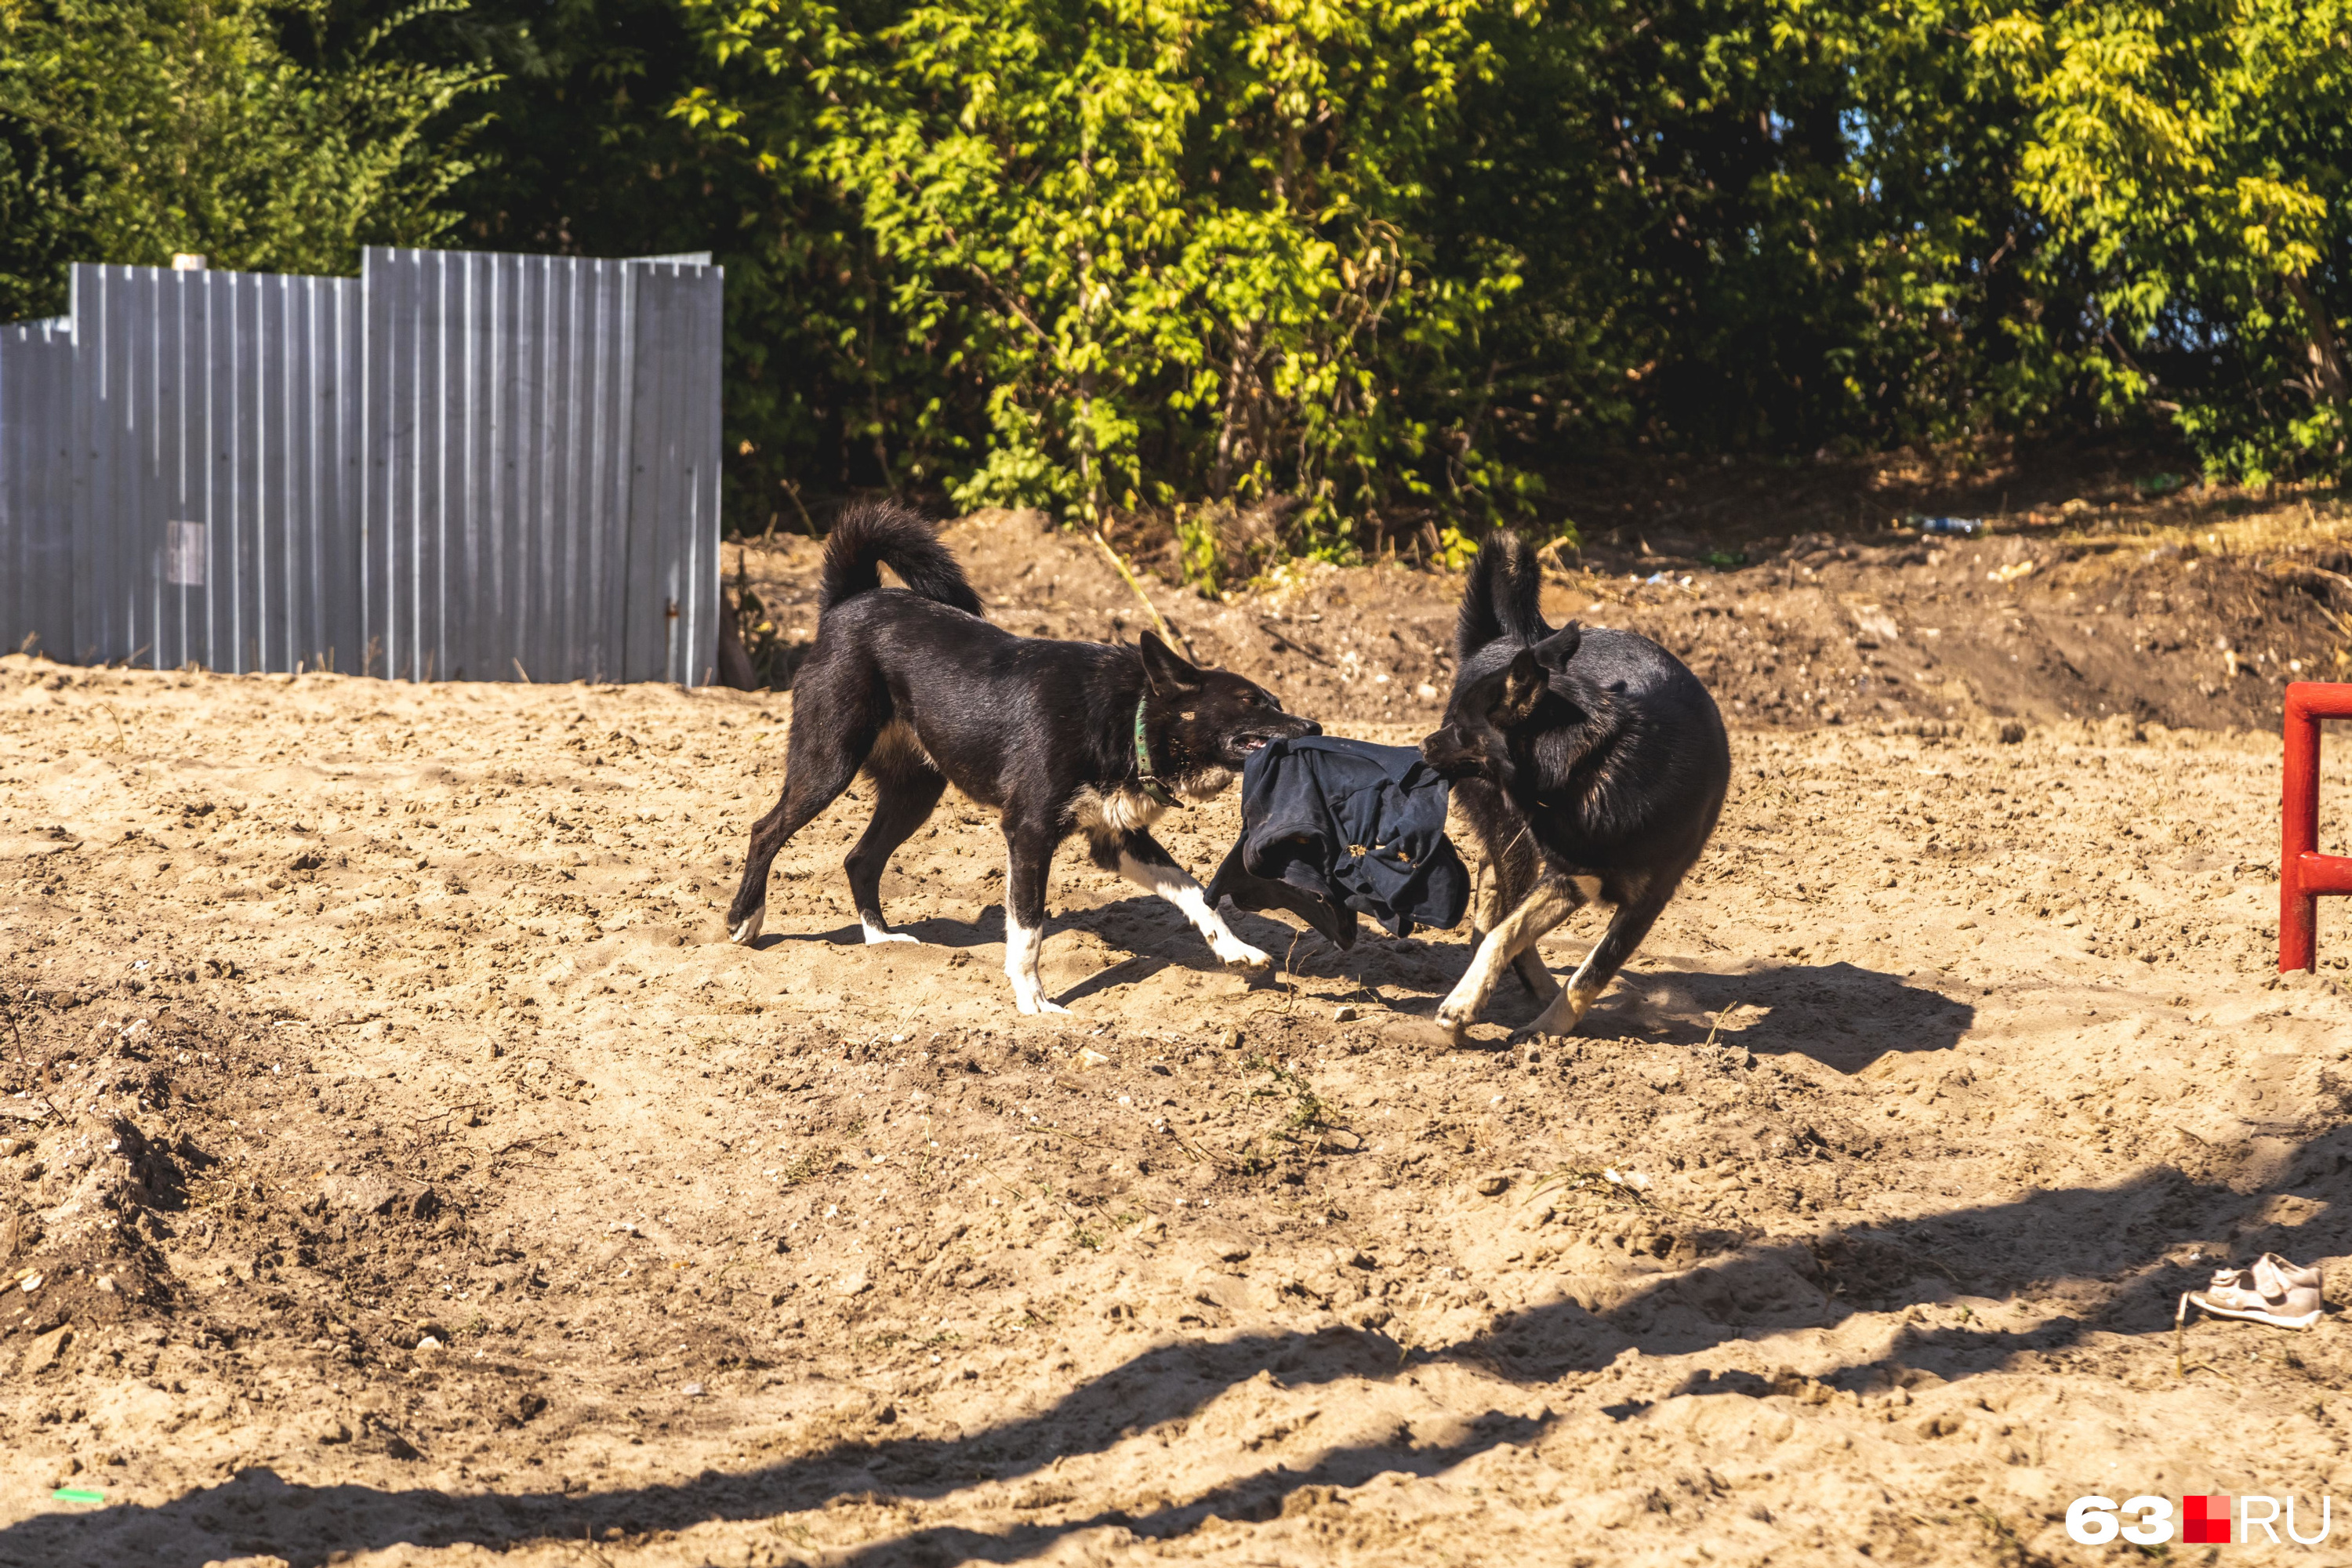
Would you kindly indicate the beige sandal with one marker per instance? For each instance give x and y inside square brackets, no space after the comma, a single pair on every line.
[2272,1291]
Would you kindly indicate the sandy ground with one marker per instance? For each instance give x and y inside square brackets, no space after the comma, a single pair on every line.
[345,1015]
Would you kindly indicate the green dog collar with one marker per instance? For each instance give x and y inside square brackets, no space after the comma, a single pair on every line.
[1155,792]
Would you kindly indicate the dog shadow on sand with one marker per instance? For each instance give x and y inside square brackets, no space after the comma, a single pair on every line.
[2122,1240]
[1841,1015]
[1144,932]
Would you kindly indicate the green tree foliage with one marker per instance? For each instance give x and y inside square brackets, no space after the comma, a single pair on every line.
[1151,249]
[142,128]
[1767,228]
[36,242]
[582,155]
[1394,258]
[2197,154]
[1370,264]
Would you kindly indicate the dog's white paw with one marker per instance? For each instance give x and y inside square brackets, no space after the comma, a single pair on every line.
[746,931]
[1455,1020]
[1238,955]
[876,936]
[1031,1006]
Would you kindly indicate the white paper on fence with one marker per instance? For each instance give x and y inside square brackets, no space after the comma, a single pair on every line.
[185,554]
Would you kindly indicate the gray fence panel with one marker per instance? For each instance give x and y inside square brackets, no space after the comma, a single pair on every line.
[457,466]
[36,453]
[216,423]
[498,503]
[672,617]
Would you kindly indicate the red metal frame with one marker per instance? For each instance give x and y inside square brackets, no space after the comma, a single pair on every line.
[2306,875]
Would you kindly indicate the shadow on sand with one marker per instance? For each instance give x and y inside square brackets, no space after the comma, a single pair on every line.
[2119,1233]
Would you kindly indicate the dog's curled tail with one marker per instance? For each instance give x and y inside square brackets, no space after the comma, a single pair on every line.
[874,534]
[1501,599]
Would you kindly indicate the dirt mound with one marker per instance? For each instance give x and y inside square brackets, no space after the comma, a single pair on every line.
[2188,625]
[468,1192]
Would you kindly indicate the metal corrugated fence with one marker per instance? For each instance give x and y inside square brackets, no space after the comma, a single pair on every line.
[674,446]
[456,466]
[543,484]
[36,456]
[216,428]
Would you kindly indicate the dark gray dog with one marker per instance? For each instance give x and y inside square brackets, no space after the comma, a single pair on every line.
[1589,764]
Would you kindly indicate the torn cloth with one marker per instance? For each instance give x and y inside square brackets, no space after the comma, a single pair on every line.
[1331,828]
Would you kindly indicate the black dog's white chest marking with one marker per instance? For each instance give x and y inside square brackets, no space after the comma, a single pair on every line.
[1123,810]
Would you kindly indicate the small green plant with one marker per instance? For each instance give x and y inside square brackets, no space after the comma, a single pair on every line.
[772,656]
[1305,1115]
[810,1163]
[1307,1108]
[1197,549]
[1090,1240]
[1456,549]
[2008,1546]
[1572,1183]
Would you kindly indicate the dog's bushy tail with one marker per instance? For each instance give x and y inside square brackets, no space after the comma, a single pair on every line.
[873,535]
[1501,599]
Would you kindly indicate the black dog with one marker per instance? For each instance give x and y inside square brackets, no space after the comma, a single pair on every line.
[913,687]
[1590,765]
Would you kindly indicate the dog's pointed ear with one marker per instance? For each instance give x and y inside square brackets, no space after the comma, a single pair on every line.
[1554,652]
[1167,670]
[1523,687]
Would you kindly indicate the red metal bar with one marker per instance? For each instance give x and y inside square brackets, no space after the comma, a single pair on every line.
[2306,875]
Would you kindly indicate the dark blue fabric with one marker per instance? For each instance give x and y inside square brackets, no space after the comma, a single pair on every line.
[1332,827]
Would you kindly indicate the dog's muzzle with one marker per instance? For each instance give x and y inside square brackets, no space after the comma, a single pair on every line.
[1250,745]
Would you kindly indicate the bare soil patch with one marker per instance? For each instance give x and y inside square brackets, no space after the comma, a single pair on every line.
[343,1015]
[2164,614]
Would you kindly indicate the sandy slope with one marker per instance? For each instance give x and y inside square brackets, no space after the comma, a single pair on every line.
[406,1013]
